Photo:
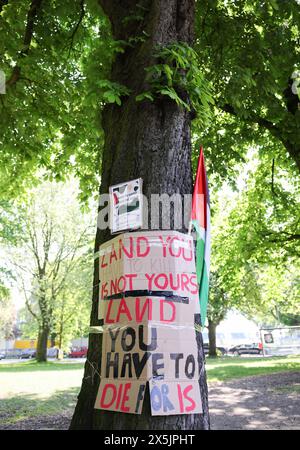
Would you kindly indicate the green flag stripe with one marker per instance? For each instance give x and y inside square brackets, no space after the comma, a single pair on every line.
[203,294]
[200,248]
[201,270]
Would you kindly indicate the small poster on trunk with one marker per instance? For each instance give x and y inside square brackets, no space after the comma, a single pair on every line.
[126,211]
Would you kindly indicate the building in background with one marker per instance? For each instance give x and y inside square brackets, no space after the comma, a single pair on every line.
[236,329]
[281,341]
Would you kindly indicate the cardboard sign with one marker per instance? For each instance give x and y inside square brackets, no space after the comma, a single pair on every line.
[143,353]
[145,263]
[148,310]
[175,398]
[166,398]
[126,212]
[148,332]
[123,396]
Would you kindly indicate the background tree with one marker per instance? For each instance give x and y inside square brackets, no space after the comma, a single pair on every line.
[71,309]
[217,308]
[255,243]
[9,231]
[55,236]
[7,315]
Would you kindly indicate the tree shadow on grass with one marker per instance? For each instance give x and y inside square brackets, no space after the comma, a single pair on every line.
[35,410]
[260,402]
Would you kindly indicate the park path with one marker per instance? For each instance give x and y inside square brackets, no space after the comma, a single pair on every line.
[258,402]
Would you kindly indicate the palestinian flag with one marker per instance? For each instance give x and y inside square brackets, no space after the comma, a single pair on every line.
[200,219]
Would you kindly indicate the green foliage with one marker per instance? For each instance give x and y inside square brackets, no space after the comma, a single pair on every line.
[9,232]
[255,248]
[179,76]
[71,309]
[7,314]
[249,51]
[9,228]
[52,260]
[219,301]
[266,228]
[244,55]
[49,114]
[290,320]
[112,92]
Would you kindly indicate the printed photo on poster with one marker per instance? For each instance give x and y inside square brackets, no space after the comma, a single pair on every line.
[126,212]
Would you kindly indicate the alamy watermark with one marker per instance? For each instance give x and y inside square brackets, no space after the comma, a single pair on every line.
[160,211]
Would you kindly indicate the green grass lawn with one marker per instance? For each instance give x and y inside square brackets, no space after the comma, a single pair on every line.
[31,389]
[227,368]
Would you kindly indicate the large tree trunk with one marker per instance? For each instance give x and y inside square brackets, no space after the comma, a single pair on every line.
[150,140]
[41,351]
[212,326]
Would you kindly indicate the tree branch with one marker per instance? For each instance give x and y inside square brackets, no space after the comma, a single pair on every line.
[31,16]
[82,13]
[292,149]
[34,244]
[272,181]
[289,236]
[27,302]
[47,235]
[255,119]
[292,100]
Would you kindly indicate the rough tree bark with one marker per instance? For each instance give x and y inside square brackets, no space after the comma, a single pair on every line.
[44,327]
[41,351]
[212,326]
[150,140]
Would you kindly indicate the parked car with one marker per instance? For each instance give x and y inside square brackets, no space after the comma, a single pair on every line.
[221,350]
[28,353]
[52,352]
[13,353]
[78,352]
[2,355]
[246,349]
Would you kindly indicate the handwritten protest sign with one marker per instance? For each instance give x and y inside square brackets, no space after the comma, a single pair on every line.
[148,298]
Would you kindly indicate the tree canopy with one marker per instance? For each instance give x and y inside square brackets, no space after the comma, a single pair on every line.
[250,52]
[57,56]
